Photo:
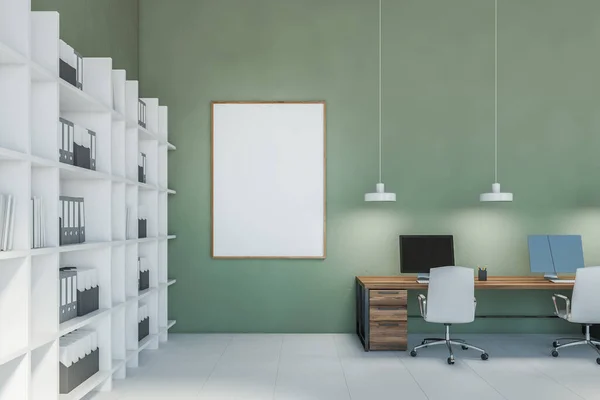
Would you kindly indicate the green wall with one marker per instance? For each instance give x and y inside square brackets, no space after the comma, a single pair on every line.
[438,143]
[99,28]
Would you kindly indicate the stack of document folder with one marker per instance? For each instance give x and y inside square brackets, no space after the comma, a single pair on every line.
[80,292]
[72,220]
[143,322]
[77,146]
[78,358]
[143,274]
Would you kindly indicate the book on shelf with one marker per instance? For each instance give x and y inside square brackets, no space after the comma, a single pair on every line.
[7,221]
[38,231]
[128,223]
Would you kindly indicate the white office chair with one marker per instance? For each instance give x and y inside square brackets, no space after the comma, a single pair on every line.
[584,309]
[451,294]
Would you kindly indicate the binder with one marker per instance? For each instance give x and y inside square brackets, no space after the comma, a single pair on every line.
[63,298]
[81,220]
[69,292]
[71,139]
[68,221]
[72,228]
[74,294]
[65,220]
[141,113]
[76,220]
[61,218]
[62,152]
[79,69]
[144,166]
[140,168]
[92,149]
[64,230]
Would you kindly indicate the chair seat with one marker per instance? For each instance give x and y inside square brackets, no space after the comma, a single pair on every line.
[569,317]
[447,320]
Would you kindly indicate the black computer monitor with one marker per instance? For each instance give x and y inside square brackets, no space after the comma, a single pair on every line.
[420,253]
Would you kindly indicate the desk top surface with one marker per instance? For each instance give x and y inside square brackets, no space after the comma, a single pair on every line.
[493,282]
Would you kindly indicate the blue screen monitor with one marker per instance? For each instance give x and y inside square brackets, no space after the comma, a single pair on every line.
[555,254]
[567,253]
[540,257]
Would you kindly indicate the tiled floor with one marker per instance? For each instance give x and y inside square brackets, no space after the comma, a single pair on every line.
[332,367]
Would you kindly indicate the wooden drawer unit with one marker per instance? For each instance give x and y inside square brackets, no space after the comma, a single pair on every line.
[387,313]
[387,297]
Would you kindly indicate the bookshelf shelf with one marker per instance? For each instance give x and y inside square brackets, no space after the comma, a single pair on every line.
[33,98]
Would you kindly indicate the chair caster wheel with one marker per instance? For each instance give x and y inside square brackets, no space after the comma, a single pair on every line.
[485,356]
[555,344]
[450,360]
[464,347]
[413,353]
[554,353]
[597,360]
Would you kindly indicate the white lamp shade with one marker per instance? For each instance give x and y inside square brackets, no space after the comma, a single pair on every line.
[496,195]
[380,194]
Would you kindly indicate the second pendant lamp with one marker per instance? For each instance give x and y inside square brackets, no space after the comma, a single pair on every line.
[380,194]
[496,194]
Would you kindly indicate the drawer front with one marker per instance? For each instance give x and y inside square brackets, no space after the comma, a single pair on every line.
[388,342]
[387,297]
[387,313]
[388,329]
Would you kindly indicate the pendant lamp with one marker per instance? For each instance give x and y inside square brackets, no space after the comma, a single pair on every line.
[496,194]
[380,194]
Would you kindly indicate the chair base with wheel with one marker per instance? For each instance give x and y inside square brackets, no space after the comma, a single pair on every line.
[449,342]
[570,342]
[451,293]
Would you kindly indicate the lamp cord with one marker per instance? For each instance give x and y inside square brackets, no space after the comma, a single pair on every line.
[496,91]
[380,68]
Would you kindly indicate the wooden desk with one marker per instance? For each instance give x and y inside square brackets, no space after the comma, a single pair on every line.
[381,304]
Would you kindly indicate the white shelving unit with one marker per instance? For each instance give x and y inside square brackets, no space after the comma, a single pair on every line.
[32,97]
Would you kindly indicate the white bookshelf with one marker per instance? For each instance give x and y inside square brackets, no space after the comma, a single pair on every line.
[31,100]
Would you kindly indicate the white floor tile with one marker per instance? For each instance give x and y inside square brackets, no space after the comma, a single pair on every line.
[308,377]
[379,378]
[241,379]
[335,367]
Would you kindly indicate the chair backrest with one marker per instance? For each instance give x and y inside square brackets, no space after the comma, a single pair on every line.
[586,296]
[451,295]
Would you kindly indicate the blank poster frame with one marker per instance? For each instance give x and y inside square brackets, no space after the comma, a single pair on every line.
[214,128]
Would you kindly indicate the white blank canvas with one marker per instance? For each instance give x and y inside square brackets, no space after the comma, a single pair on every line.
[268,180]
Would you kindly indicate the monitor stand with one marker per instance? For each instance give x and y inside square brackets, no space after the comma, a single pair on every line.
[550,277]
[555,279]
[423,278]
